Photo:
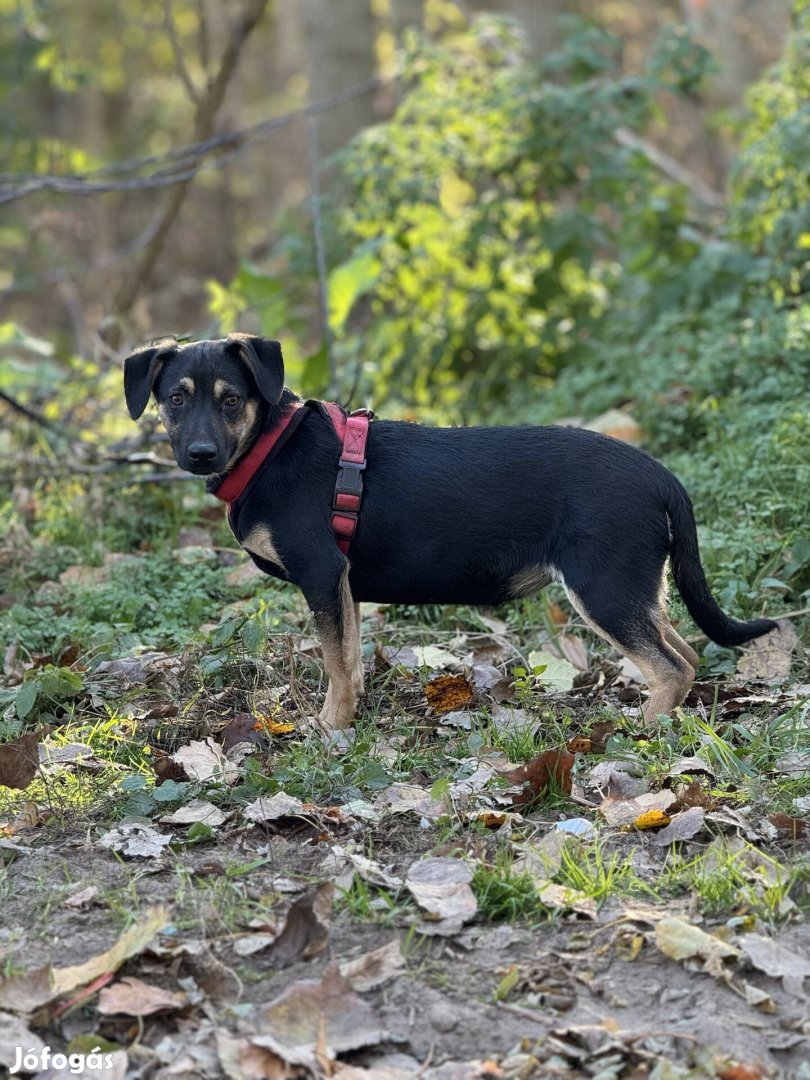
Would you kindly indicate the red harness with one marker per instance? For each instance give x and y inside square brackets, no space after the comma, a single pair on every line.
[352,430]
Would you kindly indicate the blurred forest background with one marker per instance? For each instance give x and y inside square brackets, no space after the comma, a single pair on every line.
[484,212]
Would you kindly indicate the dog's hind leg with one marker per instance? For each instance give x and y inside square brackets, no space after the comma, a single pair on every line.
[674,639]
[336,622]
[353,649]
[626,608]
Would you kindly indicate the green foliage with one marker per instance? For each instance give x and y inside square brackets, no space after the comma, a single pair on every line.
[770,210]
[487,223]
[506,893]
[154,603]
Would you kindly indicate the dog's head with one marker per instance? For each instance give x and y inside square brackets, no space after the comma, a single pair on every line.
[212,396]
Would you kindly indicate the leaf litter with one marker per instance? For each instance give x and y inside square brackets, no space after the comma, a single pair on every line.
[318,959]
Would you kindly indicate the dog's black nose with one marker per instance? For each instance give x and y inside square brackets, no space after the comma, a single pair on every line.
[202,453]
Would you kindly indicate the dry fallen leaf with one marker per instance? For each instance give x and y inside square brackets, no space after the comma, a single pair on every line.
[204,760]
[560,897]
[276,806]
[579,744]
[692,794]
[627,811]
[740,1072]
[133,997]
[777,960]
[82,901]
[788,826]
[448,693]
[616,779]
[196,810]
[768,658]
[558,673]
[681,940]
[135,839]
[434,657]
[548,772]
[441,887]
[13,1035]
[682,827]
[375,968]
[29,991]
[312,1013]
[19,759]
[651,819]
[409,798]
[306,930]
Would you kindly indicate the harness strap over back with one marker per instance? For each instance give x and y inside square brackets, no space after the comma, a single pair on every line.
[352,430]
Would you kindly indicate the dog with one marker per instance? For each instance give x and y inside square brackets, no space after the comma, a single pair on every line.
[477,515]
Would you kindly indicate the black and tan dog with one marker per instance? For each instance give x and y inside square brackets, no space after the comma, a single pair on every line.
[449,515]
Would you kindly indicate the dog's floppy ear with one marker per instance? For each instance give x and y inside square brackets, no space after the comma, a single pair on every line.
[141,369]
[265,363]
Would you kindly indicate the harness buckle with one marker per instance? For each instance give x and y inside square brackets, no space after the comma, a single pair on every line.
[349,478]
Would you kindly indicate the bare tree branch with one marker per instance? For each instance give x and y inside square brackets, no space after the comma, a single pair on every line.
[208,107]
[177,49]
[672,168]
[175,166]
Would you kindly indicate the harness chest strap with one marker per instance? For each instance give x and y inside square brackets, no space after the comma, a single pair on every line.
[352,431]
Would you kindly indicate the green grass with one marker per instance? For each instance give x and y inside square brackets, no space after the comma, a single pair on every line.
[505,893]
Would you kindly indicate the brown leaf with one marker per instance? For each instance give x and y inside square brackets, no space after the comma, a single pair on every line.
[557,614]
[548,772]
[133,997]
[692,794]
[449,692]
[571,648]
[312,1013]
[306,929]
[166,769]
[19,759]
[600,733]
[579,744]
[792,827]
[243,728]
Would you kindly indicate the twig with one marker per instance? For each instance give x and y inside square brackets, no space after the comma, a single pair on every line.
[525,1014]
[672,168]
[179,59]
[320,250]
[178,165]
[29,414]
[206,113]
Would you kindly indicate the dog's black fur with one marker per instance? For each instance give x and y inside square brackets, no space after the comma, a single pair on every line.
[449,515]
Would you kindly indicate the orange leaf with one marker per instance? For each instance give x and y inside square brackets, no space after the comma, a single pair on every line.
[549,771]
[579,744]
[448,693]
[789,826]
[652,819]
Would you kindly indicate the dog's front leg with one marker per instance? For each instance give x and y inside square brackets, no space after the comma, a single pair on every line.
[337,624]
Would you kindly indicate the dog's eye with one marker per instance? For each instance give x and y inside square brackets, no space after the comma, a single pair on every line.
[232,400]
[176,399]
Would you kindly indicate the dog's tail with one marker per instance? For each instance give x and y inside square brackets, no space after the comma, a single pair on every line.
[691,581]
